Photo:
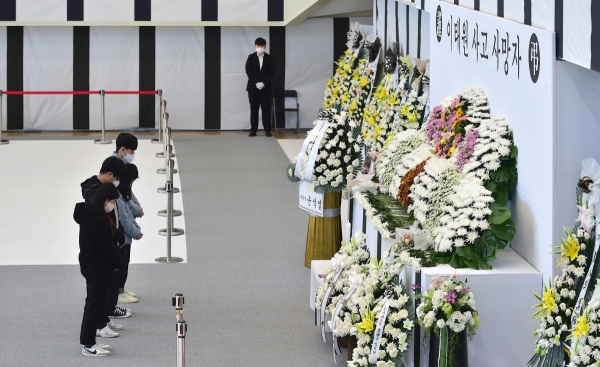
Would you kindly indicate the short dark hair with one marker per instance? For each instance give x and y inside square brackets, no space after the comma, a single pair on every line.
[114,165]
[260,41]
[127,140]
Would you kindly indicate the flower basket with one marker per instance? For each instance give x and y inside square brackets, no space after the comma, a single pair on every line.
[350,344]
[457,354]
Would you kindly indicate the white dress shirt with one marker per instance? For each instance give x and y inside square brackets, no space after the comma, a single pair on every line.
[260,60]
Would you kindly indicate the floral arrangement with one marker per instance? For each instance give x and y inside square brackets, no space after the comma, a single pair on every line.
[353,100]
[331,154]
[412,112]
[382,112]
[379,312]
[351,256]
[338,84]
[454,176]
[448,305]
[563,297]
[586,335]
[385,213]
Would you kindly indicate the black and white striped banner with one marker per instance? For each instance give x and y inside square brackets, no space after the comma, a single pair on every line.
[404,24]
[49,11]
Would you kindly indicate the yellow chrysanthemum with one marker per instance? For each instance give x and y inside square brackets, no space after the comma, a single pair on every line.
[330,82]
[371,120]
[347,52]
[367,324]
[404,110]
[353,106]
[392,100]
[338,70]
[345,97]
[413,117]
[364,81]
[581,327]
[570,248]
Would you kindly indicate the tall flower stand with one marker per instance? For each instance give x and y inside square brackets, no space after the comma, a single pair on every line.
[324,233]
[458,352]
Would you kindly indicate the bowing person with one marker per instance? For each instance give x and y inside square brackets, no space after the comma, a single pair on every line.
[98,261]
[260,70]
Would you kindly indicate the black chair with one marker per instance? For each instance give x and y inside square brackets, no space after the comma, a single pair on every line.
[278,105]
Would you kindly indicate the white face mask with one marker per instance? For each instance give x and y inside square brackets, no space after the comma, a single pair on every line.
[129,157]
[260,50]
[116,183]
[109,207]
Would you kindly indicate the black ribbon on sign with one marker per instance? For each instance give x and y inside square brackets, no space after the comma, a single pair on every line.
[390,61]
[584,184]
[373,48]
[355,37]
[425,81]
[389,291]
[327,114]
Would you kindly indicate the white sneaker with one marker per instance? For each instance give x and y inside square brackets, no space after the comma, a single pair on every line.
[94,351]
[131,294]
[106,332]
[114,327]
[125,298]
[102,345]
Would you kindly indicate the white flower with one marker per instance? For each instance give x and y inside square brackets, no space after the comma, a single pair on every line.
[441,323]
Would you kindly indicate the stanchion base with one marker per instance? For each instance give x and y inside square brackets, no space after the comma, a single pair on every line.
[163,213]
[160,155]
[162,190]
[156,141]
[163,171]
[3,142]
[167,260]
[100,141]
[174,232]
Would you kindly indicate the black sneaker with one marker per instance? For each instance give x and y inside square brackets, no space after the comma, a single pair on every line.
[118,314]
[252,133]
[123,309]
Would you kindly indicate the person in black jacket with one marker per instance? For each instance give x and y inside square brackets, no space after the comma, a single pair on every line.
[260,70]
[111,171]
[98,260]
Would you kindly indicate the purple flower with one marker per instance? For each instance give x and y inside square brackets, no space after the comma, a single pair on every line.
[415,287]
[450,297]
[466,148]
[464,290]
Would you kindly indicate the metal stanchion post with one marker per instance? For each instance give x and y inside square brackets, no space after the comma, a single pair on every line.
[163,116]
[2,141]
[170,231]
[181,330]
[168,155]
[102,115]
[159,139]
[178,302]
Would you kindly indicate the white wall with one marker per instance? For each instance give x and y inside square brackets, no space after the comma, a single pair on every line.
[114,62]
[47,65]
[180,74]
[577,135]
[308,78]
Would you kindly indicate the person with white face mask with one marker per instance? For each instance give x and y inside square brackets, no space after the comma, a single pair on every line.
[127,144]
[99,260]
[260,70]
[111,171]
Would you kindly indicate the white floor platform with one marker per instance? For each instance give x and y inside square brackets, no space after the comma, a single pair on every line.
[41,186]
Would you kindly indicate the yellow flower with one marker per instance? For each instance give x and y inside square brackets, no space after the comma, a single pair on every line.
[343,75]
[392,100]
[404,110]
[338,71]
[581,326]
[570,248]
[330,82]
[345,97]
[347,52]
[371,120]
[459,112]
[353,106]
[364,81]
[406,60]
[362,61]
[390,137]
[367,324]
[451,151]
[347,68]
[548,301]
[413,117]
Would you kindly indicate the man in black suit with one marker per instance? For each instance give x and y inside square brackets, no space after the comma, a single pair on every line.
[260,70]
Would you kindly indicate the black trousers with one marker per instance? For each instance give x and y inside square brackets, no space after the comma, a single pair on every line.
[126,256]
[262,99]
[93,312]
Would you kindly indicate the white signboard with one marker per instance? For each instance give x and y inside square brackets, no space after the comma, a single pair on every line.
[310,200]
[509,48]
